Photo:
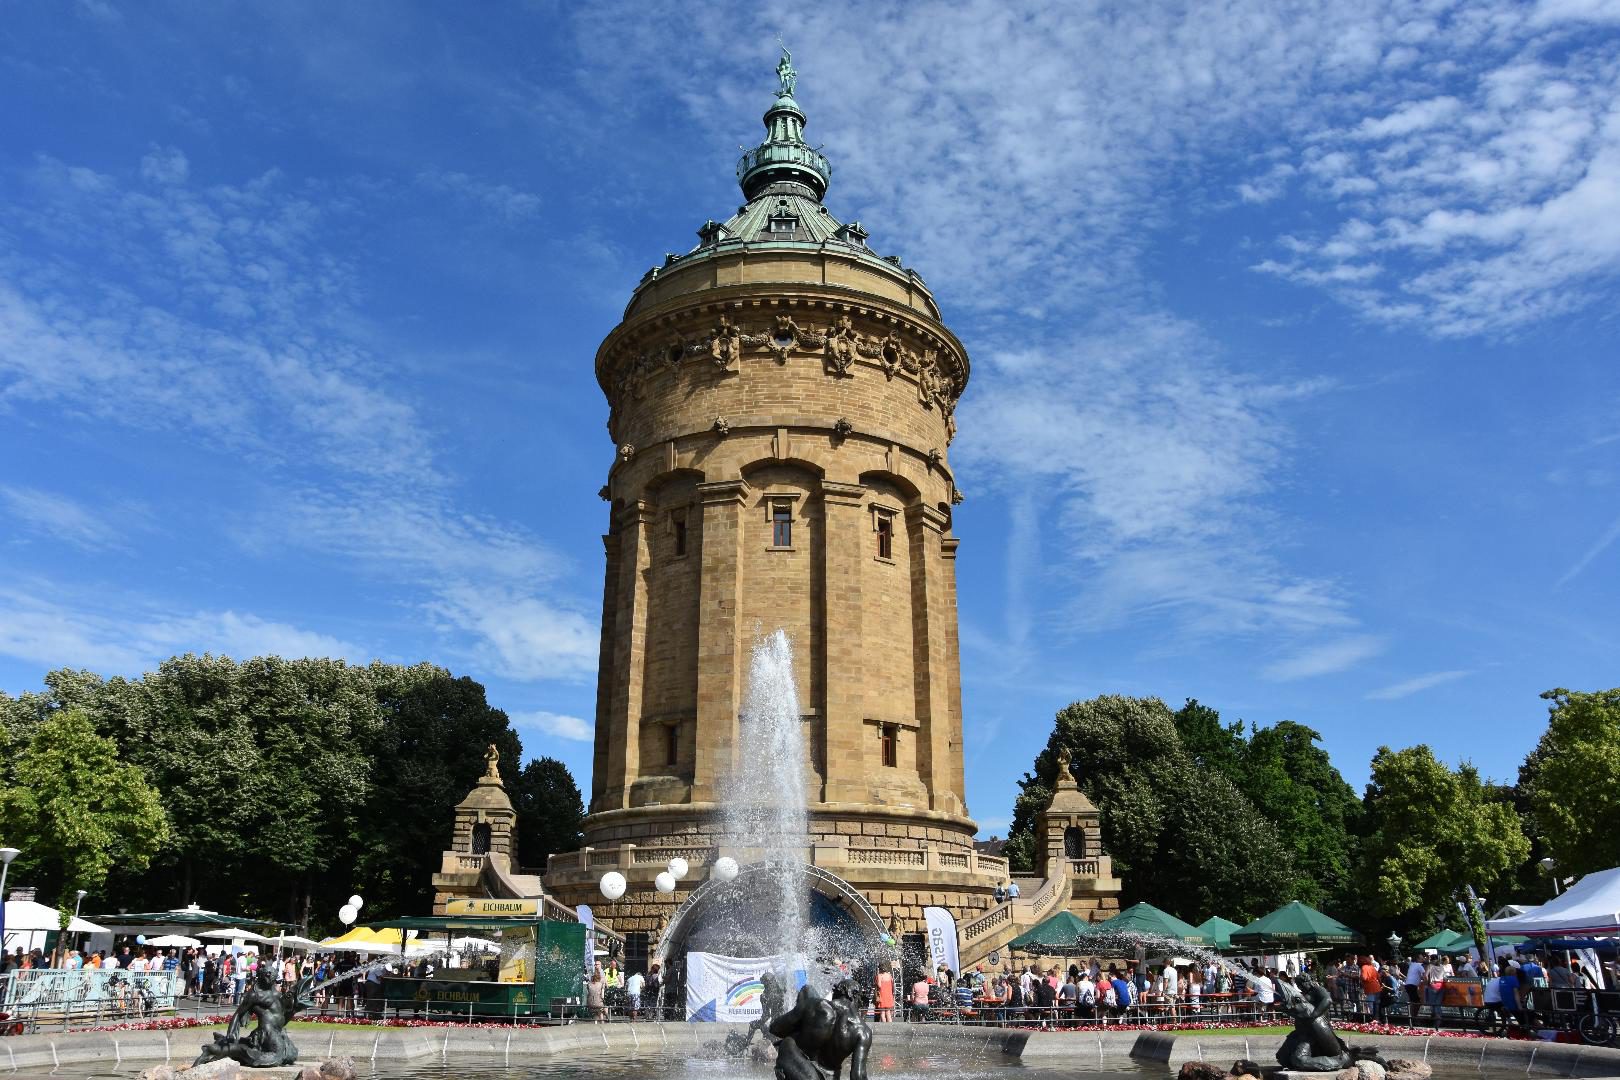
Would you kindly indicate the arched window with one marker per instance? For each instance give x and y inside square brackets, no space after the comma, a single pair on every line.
[480,839]
[1074,842]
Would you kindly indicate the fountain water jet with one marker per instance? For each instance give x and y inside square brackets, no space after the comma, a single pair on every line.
[765,805]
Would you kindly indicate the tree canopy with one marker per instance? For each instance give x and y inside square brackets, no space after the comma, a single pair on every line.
[75,808]
[1572,781]
[1183,837]
[287,785]
[1430,830]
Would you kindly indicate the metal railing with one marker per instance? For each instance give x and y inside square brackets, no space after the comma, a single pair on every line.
[34,995]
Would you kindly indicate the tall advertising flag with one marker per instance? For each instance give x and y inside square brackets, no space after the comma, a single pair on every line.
[585,916]
[941,940]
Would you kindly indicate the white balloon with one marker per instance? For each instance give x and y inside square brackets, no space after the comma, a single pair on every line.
[725,868]
[347,914]
[678,868]
[612,885]
[356,903]
[664,882]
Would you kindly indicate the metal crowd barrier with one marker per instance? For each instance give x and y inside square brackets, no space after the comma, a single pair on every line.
[33,996]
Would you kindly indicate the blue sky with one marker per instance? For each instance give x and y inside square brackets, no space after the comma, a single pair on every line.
[1293,328]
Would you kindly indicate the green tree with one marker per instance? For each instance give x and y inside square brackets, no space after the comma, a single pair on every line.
[1214,746]
[1293,784]
[1430,830]
[426,754]
[550,811]
[1571,781]
[75,808]
[1183,838]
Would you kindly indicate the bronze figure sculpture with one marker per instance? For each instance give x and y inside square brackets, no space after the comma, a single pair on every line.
[1312,1046]
[822,1033]
[267,1045]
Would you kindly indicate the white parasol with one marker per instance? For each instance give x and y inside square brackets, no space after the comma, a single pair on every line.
[29,915]
[236,935]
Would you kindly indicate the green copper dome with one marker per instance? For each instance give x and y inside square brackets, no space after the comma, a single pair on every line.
[784,157]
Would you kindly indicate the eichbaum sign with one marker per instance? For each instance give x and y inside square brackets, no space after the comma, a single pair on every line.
[492,907]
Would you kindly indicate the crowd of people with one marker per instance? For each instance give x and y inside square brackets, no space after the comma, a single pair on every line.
[1083,993]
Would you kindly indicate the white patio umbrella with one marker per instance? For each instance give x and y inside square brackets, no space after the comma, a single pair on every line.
[474,944]
[173,941]
[236,935]
[28,915]
[293,941]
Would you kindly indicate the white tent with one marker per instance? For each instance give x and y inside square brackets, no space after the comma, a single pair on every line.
[236,935]
[28,915]
[1590,906]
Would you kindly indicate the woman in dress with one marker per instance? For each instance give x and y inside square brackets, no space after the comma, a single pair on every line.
[885,993]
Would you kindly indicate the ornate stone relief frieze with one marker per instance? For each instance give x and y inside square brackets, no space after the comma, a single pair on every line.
[939,381]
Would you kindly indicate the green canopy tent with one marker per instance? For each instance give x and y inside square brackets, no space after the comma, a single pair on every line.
[1446,941]
[1151,921]
[1294,927]
[1062,934]
[1219,930]
[187,916]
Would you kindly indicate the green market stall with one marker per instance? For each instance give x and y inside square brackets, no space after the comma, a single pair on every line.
[1219,931]
[1152,922]
[537,974]
[1294,927]
[1062,934]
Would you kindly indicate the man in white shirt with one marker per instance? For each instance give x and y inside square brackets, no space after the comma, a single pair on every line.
[1087,996]
[632,990]
[110,962]
[1172,980]
[1265,991]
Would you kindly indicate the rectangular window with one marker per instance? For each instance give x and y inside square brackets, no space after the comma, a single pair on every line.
[890,737]
[885,536]
[672,744]
[680,536]
[781,525]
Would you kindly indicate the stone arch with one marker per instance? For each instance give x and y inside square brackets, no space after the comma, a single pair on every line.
[903,484]
[1074,842]
[715,901]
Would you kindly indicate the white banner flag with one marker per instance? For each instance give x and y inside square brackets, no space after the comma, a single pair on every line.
[941,940]
[585,916]
[728,988]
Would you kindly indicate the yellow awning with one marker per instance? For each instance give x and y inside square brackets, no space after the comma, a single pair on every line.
[365,939]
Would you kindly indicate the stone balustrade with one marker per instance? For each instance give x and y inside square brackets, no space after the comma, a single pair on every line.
[643,861]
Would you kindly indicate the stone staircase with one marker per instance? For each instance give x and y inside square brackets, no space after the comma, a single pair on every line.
[990,932]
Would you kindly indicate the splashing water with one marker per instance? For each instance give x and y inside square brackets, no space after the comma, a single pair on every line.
[765,806]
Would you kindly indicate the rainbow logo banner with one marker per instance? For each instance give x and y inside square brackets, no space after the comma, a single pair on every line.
[746,992]
[729,988]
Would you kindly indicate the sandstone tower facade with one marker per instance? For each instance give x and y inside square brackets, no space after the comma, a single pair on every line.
[782,405]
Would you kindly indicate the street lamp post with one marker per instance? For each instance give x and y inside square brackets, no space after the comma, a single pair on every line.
[6,855]
[1394,940]
[1551,866]
[78,903]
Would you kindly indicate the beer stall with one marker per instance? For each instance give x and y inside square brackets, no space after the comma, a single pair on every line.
[536,971]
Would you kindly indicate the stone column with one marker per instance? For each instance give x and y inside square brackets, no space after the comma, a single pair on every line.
[845,749]
[953,662]
[605,678]
[939,744]
[630,624]
[719,646]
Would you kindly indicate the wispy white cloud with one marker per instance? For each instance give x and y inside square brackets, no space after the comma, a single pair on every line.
[119,635]
[229,313]
[555,724]
[1408,687]
[1602,544]
[1477,211]
[503,200]
[57,515]
[1157,459]
[1326,658]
